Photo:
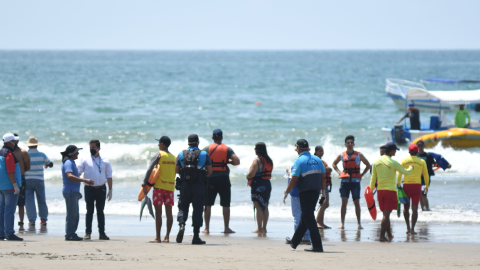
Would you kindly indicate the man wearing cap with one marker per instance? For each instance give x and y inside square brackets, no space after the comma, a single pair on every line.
[412,185]
[71,191]
[430,159]
[194,166]
[35,184]
[308,171]
[414,114]
[164,187]
[383,174]
[10,183]
[219,180]
[24,163]
[100,171]
[460,117]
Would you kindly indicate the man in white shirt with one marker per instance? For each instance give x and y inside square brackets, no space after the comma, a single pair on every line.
[100,171]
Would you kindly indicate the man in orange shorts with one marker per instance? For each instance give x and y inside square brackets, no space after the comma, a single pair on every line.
[163,188]
[383,173]
[412,185]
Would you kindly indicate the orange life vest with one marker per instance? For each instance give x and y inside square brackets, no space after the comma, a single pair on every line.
[328,177]
[218,154]
[267,168]
[350,167]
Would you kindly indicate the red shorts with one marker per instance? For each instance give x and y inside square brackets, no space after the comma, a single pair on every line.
[387,200]
[413,191]
[162,196]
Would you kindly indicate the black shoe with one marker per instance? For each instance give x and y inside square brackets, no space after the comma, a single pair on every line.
[306,242]
[2,238]
[198,241]
[288,241]
[13,237]
[312,249]
[73,238]
[291,245]
[180,233]
[103,237]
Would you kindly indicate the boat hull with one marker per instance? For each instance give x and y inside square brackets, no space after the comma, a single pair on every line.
[454,137]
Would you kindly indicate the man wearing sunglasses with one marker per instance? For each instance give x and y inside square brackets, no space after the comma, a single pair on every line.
[351,178]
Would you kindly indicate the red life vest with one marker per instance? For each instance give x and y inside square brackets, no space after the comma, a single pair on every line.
[267,168]
[328,177]
[218,154]
[350,167]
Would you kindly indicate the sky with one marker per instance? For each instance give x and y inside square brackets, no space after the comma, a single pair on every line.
[239,25]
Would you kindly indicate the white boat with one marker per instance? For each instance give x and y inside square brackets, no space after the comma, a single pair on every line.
[403,92]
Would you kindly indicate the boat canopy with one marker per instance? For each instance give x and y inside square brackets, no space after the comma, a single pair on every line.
[452,97]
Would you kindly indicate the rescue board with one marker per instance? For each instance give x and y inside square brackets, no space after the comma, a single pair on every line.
[151,180]
[370,203]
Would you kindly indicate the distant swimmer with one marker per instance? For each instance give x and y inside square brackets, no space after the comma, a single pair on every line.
[460,117]
[431,159]
[383,174]
[194,166]
[258,178]
[308,174]
[414,114]
[164,187]
[328,182]
[412,185]
[219,180]
[351,178]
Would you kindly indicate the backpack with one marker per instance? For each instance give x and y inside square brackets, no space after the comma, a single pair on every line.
[190,165]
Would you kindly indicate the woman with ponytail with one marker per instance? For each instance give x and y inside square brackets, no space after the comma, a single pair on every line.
[258,178]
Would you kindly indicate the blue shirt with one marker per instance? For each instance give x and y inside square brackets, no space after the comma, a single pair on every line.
[37,161]
[309,168]
[294,191]
[69,166]
[203,161]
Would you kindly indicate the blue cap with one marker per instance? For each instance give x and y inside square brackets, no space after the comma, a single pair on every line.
[217,133]
[391,146]
[411,104]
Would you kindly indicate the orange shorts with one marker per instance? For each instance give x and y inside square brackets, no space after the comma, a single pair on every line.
[387,200]
[163,197]
[413,191]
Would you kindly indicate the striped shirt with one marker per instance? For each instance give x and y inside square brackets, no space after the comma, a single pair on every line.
[37,161]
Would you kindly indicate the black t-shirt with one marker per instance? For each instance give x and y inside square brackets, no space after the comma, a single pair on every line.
[430,161]
[414,116]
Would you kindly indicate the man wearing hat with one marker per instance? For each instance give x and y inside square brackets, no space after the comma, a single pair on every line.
[35,184]
[194,166]
[383,174]
[414,114]
[71,191]
[308,171]
[164,187]
[10,183]
[412,185]
[24,162]
[219,180]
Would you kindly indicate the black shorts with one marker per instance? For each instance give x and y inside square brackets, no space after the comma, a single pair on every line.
[219,185]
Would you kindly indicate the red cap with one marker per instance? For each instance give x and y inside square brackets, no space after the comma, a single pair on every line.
[413,149]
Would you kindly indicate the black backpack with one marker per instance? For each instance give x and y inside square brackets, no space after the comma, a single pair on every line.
[190,165]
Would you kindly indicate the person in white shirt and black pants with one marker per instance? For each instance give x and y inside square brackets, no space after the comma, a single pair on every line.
[100,171]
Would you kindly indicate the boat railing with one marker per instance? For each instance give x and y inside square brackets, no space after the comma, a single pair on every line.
[399,87]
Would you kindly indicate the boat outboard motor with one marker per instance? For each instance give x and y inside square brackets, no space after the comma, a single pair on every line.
[399,134]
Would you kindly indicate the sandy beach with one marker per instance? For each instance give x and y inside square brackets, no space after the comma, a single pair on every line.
[231,253]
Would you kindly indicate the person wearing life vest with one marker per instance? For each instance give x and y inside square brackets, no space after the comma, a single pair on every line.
[164,187]
[350,178]
[328,182]
[10,184]
[308,174]
[219,180]
[258,178]
[194,166]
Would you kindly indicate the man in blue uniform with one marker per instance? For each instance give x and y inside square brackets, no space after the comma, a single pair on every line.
[309,172]
[194,166]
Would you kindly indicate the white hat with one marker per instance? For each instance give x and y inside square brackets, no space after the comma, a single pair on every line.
[8,137]
[17,138]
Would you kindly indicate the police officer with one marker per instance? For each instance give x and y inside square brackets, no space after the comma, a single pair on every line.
[194,166]
[309,172]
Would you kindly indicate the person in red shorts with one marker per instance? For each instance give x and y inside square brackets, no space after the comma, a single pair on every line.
[383,173]
[163,189]
[412,185]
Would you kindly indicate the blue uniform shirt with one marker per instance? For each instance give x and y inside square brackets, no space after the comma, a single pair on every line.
[294,191]
[203,161]
[69,166]
[309,168]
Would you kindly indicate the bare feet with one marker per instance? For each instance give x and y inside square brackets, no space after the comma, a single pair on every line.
[383,239]
[257,231]
[154,241]
[413,232]
[390,238]
[341,227]
[206,231]
[408,231]
[166,239]
[360,227]
[228,230]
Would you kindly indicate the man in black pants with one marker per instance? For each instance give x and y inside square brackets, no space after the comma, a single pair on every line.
[309,172]
[100,171]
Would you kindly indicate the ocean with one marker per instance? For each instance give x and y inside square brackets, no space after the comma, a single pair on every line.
[126,99]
